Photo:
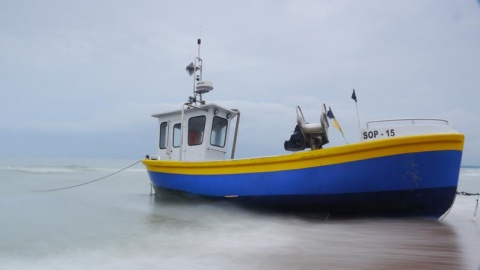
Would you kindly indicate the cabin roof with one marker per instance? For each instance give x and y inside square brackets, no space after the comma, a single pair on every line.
[204,107]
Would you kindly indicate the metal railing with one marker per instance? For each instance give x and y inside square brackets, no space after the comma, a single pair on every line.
[411,121]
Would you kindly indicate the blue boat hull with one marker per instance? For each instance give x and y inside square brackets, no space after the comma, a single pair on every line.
[411,184]
[402,203]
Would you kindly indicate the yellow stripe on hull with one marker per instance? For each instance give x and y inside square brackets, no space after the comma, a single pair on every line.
[300,160]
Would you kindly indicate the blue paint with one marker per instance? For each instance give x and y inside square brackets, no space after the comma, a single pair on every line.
[425,170]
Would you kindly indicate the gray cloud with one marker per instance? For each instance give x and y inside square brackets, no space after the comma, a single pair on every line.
[90,70]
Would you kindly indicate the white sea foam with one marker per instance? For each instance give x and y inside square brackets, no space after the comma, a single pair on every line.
[46,170]
[64,169]
[470,171]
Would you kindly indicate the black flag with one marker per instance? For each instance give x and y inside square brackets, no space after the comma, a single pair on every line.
[354,97]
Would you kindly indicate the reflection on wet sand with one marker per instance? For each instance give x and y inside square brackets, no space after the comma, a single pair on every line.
[214,234]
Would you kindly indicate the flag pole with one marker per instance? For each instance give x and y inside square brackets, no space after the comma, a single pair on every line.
[335,123]
[358,117]
[344,138]
[354,97]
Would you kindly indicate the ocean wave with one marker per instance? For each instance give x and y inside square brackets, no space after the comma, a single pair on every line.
[64,169]
[470,171]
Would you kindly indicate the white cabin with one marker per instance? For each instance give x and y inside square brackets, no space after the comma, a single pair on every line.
[196,133]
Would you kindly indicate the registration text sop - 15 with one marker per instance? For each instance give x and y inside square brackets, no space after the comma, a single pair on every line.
[372,134]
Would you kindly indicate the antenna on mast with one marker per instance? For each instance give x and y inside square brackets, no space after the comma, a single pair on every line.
[199,41]
[200,87]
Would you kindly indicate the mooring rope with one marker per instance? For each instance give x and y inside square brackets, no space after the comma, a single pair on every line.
[463,193]
[89,182]
[467,193]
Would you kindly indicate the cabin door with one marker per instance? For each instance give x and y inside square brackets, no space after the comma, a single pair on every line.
[175,142]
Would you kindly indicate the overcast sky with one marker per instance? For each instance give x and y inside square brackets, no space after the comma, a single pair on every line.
[81,78]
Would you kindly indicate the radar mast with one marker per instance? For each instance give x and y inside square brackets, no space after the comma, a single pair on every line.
[200,86]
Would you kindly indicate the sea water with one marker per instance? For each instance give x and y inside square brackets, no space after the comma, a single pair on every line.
[115,223]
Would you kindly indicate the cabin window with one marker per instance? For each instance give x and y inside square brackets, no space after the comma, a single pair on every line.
[177,135]
[163,136]
[196,128]
[219,131]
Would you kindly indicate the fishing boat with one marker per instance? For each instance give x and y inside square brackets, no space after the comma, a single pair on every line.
[399,167]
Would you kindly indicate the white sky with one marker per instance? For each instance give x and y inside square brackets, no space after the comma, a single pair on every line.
[81,78]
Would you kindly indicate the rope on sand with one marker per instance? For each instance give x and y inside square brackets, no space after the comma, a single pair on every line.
[463,193]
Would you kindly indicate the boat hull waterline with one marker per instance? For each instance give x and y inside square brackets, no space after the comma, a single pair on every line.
[404,176]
